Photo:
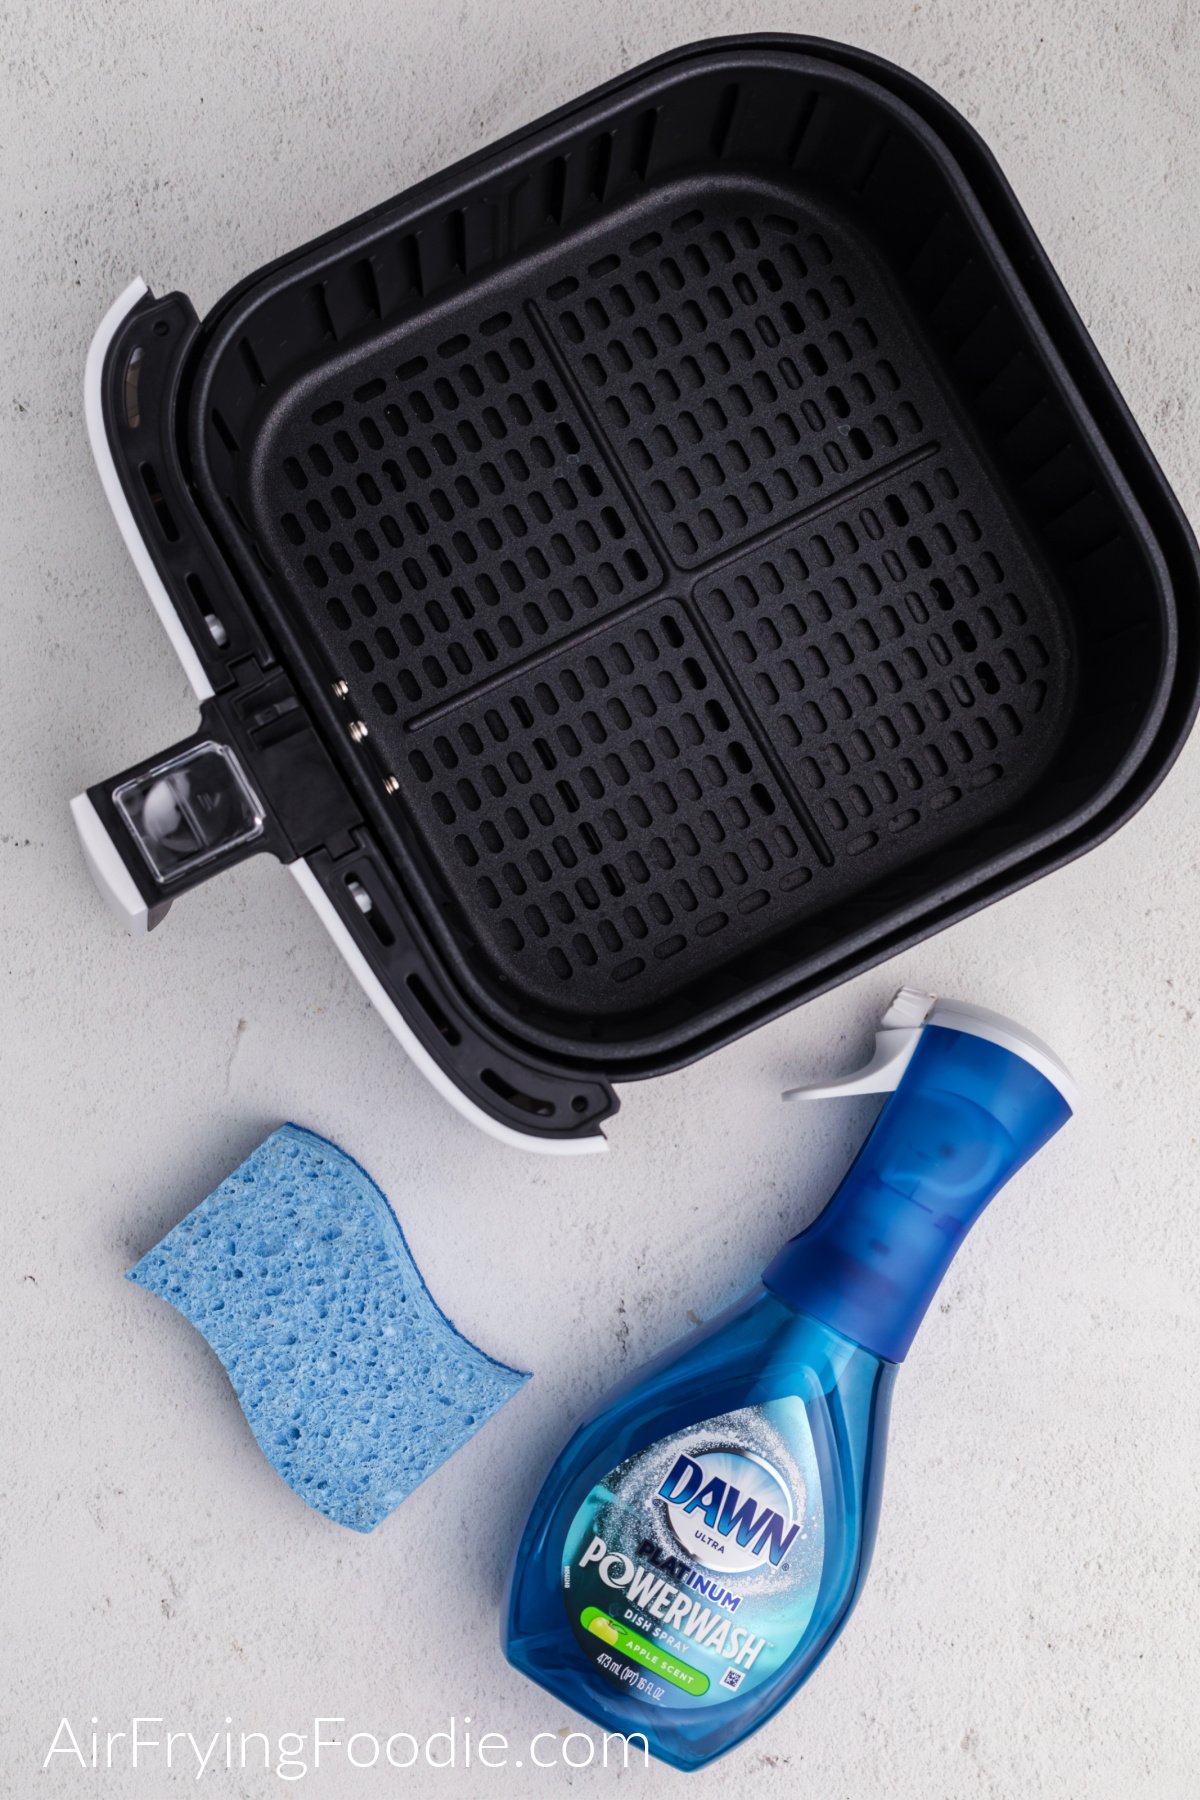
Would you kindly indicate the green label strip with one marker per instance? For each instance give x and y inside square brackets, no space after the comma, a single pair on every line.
[641,1651]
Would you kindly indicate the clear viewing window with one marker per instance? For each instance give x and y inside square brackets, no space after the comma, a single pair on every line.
[191,809]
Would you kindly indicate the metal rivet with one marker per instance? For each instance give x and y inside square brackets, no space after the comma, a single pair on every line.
[390,785]
[358,730]
[341,689]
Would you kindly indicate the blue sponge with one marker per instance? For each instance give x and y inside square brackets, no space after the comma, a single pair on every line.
[353,1380]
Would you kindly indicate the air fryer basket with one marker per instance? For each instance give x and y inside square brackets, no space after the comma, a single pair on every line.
[703,546]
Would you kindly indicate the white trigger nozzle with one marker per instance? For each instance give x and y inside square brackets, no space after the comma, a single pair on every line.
[895,1041]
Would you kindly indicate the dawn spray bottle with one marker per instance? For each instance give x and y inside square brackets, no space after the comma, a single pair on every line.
[702,1538]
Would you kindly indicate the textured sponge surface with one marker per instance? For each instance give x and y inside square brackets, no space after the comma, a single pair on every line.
[353,1380]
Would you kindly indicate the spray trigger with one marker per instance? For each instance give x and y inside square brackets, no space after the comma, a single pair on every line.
[896,1039]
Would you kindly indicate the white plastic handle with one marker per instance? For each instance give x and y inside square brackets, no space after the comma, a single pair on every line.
[109,873]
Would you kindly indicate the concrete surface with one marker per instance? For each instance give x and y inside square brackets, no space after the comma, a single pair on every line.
[1030,1626]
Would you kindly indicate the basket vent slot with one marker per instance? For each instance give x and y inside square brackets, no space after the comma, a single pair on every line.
[515,1096]
[365,902]
[433,1011]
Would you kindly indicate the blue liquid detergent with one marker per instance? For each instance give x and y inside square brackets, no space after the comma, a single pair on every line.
[702,1538]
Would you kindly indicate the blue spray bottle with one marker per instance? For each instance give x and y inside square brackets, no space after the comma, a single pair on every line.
[702,1538]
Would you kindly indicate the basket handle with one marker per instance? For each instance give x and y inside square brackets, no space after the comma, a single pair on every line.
[169,823]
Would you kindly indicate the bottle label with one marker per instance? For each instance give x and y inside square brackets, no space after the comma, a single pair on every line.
[691,1571]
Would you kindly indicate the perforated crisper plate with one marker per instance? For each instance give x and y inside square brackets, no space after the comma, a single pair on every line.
[671,590]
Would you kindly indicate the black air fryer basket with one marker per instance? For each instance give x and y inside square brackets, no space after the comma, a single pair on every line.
[646,574]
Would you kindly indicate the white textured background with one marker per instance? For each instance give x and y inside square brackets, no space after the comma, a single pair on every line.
[1030,1626]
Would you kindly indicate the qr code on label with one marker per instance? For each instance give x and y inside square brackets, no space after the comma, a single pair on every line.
[732,1678]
